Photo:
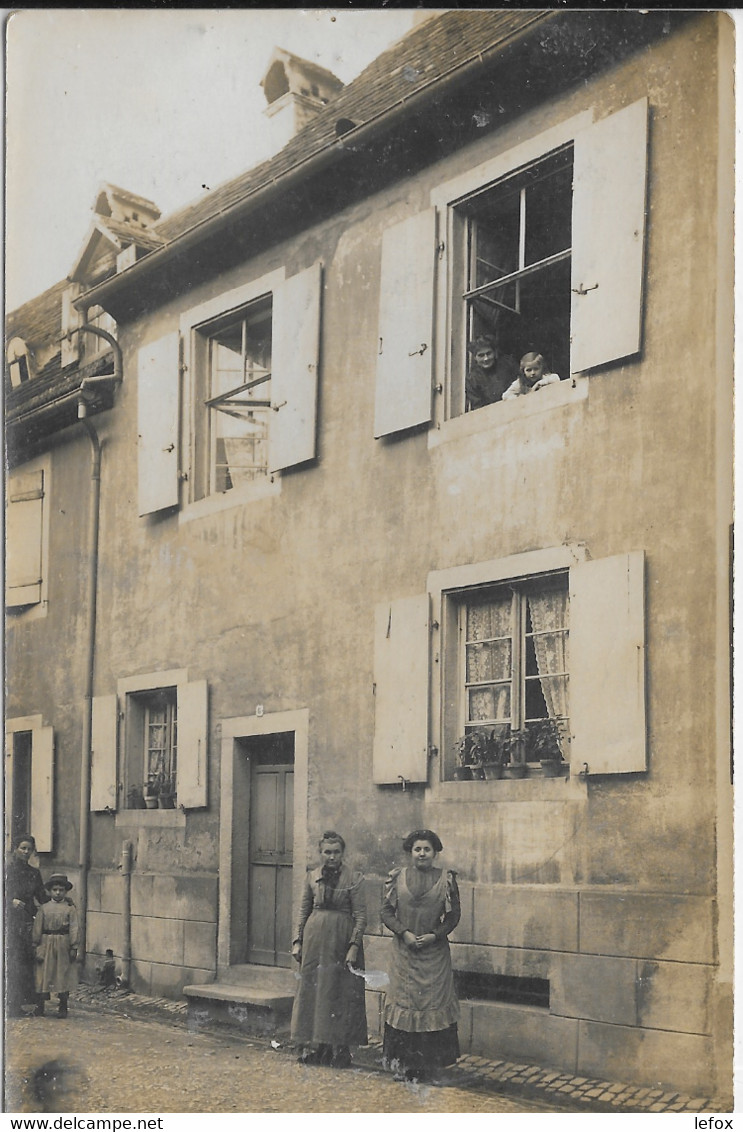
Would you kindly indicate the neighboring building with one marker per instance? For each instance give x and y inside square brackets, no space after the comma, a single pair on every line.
[277,566]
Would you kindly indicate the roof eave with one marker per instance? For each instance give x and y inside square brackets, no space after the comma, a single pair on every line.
[314,163]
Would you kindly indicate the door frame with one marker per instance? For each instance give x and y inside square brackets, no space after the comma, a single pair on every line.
[232,815]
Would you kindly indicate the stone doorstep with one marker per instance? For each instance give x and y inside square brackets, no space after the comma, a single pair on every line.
[242,995]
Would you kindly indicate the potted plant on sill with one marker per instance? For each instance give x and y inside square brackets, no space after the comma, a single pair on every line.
[546,739]
[482,753]
[515,766]
[151,790]
[166,795]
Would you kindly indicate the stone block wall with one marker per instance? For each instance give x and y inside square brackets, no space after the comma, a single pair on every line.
[631,976]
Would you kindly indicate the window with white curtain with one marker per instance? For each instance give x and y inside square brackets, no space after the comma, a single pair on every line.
[512,670]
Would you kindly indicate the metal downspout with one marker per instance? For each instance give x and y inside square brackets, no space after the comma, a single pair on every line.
[90,606]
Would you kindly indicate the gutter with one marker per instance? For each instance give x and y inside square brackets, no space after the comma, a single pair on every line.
[314,163]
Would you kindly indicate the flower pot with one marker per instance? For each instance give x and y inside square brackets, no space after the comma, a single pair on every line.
[166,801]
[493,771]
[553,768]
[478,772]
[515,770]
[150,801]
[461,773]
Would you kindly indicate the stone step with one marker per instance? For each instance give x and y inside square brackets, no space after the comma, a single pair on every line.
[250,996]
[255,1000]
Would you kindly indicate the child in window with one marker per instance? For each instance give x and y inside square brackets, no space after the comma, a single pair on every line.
[489,373]
[532,376]
[56,934]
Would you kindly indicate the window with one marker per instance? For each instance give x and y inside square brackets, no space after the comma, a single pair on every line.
[160,743]
[19,362]
[515,284]
[230,398]
[486,647]
[29,780]
[235,357]
[540,247]
[164,748]
[513,666]
[94,344]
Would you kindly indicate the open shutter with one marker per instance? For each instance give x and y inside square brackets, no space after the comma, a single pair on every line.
[191,773]
[104,732]
[401,650]
[24,539]
[607,665]
[158,384]
[42,788]
[294,369]
[9,816]
[405,344]
[609,186]
[71,320]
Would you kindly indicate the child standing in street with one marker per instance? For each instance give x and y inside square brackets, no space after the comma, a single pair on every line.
[56,934]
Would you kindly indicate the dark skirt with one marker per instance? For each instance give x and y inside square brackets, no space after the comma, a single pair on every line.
[20,966]
[418,1056]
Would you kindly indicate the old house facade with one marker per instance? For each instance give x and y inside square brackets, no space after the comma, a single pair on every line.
[266,552]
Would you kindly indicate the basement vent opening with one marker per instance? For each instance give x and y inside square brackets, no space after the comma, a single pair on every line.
[503,988]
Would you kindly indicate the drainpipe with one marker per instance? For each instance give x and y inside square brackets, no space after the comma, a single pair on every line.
[90,606]
[126,946]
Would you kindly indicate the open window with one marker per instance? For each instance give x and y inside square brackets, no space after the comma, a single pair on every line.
[29,780]
[230,398]
[163,754]
[538,249]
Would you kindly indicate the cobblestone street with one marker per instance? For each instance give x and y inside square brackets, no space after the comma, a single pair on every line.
[119,1064]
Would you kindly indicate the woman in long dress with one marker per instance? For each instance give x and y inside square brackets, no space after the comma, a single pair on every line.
[421,907]
[329,1013]
[24,893]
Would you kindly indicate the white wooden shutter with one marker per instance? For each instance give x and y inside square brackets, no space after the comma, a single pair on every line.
[295,357]
[157,388]
[401,651]
[405,343]
[191,773]
[24,539]
[104,733]
[42,788]
[71,320]
[607,665]
[609,186]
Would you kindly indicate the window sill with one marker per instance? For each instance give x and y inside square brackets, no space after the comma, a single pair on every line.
[237,497]
[504,413]
[533,789]
[151,819]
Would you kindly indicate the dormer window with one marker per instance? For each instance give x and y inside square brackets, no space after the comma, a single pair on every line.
[19,362]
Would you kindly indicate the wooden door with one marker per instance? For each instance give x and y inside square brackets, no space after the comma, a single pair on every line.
[271,840]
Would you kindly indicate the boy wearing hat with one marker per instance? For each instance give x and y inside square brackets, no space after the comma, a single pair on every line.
[56,934]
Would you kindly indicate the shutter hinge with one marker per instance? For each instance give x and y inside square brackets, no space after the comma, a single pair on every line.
[440,249]
[581,290]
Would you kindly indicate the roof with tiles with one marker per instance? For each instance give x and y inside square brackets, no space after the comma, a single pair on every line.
[38,320]
[424,56]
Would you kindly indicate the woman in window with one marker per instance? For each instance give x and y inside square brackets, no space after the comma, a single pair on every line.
[421,907]
[329,1013]
[24,892]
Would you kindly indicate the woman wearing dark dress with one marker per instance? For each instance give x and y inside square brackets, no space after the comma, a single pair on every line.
[329,1012]
[421,907]
[24,892]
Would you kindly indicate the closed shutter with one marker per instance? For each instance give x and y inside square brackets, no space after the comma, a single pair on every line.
[401,651]
[192,768]
[294,369]
[157,390]
[609,188]
[104,733]
[42,788]
[607,665]
[24,539]
[405,346]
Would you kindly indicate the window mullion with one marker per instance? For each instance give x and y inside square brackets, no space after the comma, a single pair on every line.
[517,662]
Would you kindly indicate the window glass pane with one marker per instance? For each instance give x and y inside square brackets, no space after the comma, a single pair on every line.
[549,205]
[488,661]
[490,619]
[489,704]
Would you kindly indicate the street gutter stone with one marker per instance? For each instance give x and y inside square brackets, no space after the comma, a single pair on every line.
[472,1071]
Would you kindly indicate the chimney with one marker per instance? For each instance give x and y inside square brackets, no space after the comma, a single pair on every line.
[295,91]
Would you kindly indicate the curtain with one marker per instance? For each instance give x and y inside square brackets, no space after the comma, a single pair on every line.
[549,611]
